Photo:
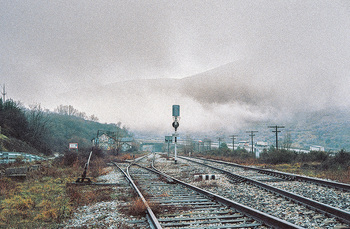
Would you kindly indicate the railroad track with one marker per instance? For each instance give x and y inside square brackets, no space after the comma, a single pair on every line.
[110,213]
[309,187]
[181,205]
[341,215]
[288,176]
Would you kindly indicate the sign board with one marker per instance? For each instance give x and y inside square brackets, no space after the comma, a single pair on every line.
[168,139]
[176,110]
[73,145]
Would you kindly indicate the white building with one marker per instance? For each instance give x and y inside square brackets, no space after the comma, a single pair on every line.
[316,148]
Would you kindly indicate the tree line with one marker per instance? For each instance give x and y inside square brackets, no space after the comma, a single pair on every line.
[47,131]
[71,111]
[29,126]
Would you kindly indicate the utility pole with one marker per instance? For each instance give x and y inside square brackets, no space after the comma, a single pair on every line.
[219,142]
[233,141]
[1,139]
[276,131]
[3,93]
[252,135]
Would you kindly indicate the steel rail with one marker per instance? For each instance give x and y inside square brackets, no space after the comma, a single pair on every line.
[334,212]
[152,219]
[259,216]
[289,176]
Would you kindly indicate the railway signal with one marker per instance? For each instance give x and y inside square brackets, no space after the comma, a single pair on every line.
[176,117]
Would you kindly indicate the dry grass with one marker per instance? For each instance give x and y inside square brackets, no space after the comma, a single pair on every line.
[86,195]
[43,200]
[136,208]
[7,187]
[312,170]
[123,157]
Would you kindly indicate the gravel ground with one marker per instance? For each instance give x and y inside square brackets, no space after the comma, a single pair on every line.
[333,197]
[108,214]
[157,190]
[250,195]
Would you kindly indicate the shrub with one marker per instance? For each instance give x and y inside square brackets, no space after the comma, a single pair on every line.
[69,158]
[341,161]
[274,156]
[135,207]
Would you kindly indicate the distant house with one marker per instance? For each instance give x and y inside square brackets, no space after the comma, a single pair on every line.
[243,144]
[107,142]
[261,144]
[126,143]
[316,148]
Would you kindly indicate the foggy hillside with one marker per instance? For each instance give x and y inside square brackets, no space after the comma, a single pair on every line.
[227,99]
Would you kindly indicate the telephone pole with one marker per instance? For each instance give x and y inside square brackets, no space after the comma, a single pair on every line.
[219,142]
[252,135]
[3,93]
[276,131]
[233,141]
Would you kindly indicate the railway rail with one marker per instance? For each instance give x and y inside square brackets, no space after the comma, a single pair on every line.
[340,214]
[187,206]
[288,176]
[329,195]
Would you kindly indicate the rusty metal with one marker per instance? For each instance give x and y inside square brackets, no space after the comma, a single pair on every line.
[83,178]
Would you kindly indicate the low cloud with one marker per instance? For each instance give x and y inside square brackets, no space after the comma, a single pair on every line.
[268,61]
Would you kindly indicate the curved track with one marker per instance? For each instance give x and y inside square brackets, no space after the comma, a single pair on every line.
[180,205]
[342,215]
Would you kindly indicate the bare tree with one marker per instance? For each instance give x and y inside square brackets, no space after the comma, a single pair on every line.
[287,141]
[38,125]
[93,118]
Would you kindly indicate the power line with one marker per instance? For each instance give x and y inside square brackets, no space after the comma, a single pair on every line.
[276,131]
[252,135]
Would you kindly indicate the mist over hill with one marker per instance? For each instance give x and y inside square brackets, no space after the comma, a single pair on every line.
[227,99]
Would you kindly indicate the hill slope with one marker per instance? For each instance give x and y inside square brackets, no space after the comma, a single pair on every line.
[227,99]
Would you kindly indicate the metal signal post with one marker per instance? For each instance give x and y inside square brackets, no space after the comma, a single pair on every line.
[168,139]
[176,117]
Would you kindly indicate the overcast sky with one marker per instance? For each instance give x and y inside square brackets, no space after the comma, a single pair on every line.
[49,48]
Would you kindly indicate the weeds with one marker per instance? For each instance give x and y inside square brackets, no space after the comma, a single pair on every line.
[85,195]
[35,203]
[7,187]
[42,200]
[136,208]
